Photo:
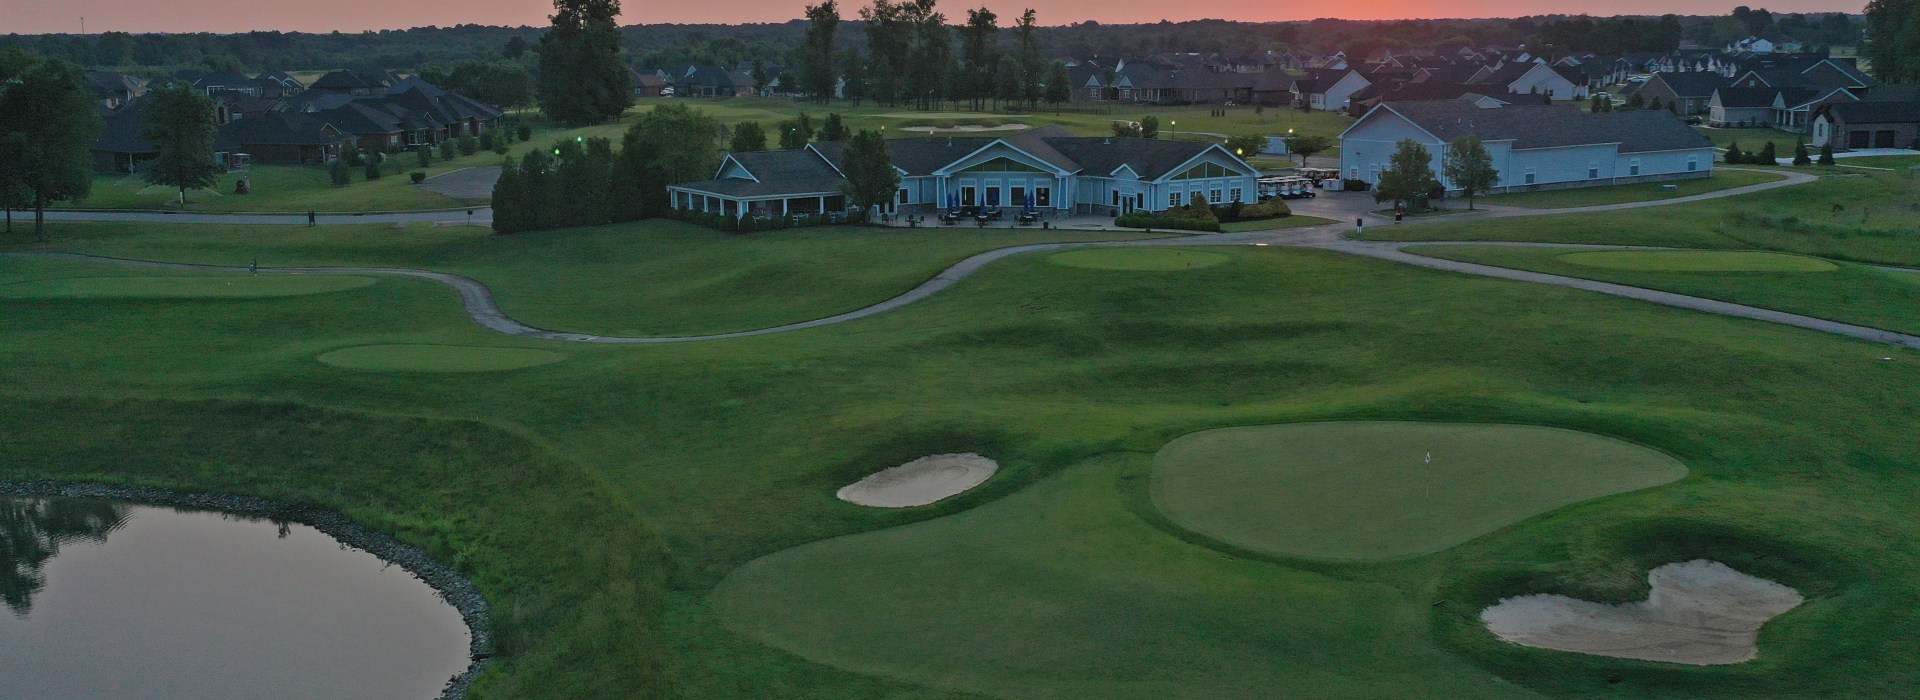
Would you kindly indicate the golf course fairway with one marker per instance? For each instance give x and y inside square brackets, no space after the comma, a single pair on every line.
[195,287]
[1697,261]
[1366,490]
[437,358]
[1137,259]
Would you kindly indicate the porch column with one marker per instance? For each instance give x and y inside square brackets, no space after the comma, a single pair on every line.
[823,205]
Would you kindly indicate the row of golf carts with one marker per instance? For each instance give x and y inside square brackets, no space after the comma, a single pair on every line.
[1299,185]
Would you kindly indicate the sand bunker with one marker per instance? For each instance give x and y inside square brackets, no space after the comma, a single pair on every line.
[921,481]
[965,128]
[1699,612]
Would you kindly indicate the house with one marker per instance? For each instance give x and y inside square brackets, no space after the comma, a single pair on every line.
[711,81]
[1870,124]
[122,145]
[284,138]
[1328,89]
[412,113]
[1365,100]
[1533,146]
[1741,106]
[1686,93]
[210,83]
[1524,78]
[1059,172]
[650,82]
[114,89]
[358,83]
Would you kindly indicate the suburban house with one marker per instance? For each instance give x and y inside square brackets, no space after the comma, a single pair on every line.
[122,144]
[1533,146]
[650,82]
[405,115]
[1328,89]
[1687,93]
[1528,78]
[711,81]
[1741,106]
[1378,93]
[1874,124]
[114,89]
[282,138]
[1060,173]
[358,83]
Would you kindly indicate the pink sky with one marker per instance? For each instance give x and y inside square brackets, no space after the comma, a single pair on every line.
[40,16]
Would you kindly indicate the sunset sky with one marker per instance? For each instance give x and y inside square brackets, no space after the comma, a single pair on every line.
[41,16]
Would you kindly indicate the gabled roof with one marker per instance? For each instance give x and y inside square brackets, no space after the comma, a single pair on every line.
[124,131]
[1692,83]
[1547,126]
[1875,112]
[776,173]
[1150,158]
[105,82]
[1745,97]
[277,129]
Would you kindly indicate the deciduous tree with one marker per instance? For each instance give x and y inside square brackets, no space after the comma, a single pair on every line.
[1409,174]
[871,177]
[180,125]
[817,53]
[583,78]
[1469,166]
[748,137]
[48,122]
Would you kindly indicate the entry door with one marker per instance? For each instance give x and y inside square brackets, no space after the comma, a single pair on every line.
[1019,198]
[967,196]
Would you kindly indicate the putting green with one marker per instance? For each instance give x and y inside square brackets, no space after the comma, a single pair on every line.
[1363,491]
[1697,261]
[437,358]
[197,287]
[1061,591]
[1137,259]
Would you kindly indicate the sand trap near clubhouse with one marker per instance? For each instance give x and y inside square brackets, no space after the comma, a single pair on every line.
[1699,612]
[437,358]
[920,482]
[1363,490]
[198,287]
[1138,259]
[1696,261]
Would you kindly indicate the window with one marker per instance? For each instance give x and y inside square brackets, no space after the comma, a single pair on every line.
[1236,195]
[903,195]
[1043,196]
[1139,200]
[1633,167]
[1529,176]
[1593,172]
[1019,197]
[1116,198]
[993,196]
[1173,198]
[966,196]
[1693,164]
[1213,196]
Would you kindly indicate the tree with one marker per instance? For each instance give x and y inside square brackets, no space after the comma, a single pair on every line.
[1409,174]
[425,155]
[48,121]
[794,133]
[760,77]
[1126,129]
[978,56]
[748,137]
[1800,155]
[930,58]
[1247,146]
[854,76]
[1305,146]
[1011,85]
[1029,58]
[1149,127]
[502,83]
[1826,153]
[1768,156]
[1734,156]
[180,125]
[1893,40]
[890,35]
[817,76]
[1469,166]
[514,48]
[833,129]
[1654,103]
[1059,86]
[871,177]
[583,78]
[667,144]
[340,173]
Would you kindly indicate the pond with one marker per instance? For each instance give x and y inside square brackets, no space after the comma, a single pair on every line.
[108,599]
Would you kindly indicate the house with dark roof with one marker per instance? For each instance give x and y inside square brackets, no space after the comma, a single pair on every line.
[1327,89]
[114,89]
[1689,93]
[711,81]
[1058,172]
[405,115]
[122,146]
[1376,94]
[1528,77]
[1533,146]
[349,82]
[1741,106]
[282,138]
[1867,124]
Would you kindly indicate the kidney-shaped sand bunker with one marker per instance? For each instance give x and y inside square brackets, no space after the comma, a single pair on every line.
[1698,612]
[920,482]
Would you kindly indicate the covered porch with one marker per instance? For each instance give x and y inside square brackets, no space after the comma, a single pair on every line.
[764,206]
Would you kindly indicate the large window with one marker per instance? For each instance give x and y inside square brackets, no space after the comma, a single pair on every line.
[1236,195]
[1043,196]
[1693,164]
[1173,198]
[1213,196]
[1018,197]
[1002,165]
[1205,170]
[967,196]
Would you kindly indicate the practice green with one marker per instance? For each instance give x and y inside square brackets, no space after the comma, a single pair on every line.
[1364,490]
[198,287]
[1145,259]
[438,358]
[1697,261]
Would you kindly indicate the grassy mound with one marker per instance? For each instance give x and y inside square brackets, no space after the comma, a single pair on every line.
[1697,261]
[199,287]
[1363,490]
[438,358]
[1137,259]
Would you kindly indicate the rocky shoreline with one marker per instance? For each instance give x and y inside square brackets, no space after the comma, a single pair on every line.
[452,586]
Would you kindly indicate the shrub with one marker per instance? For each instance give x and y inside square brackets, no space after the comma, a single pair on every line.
[469,145]
[354,159]
[500,145]
[1173,223]
[486,140]
[446,150]
[1768,156]
[418,176]
[340,173]
[1270,209]
[373,170]
[1734,155]
[1354,185]
[525,132]
[426,155]
[1826,154]
[1800,155]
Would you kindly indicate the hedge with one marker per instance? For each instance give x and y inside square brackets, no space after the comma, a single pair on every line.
[1145,220]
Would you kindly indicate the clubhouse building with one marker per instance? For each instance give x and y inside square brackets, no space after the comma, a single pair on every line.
[1058,173]
[1533,146]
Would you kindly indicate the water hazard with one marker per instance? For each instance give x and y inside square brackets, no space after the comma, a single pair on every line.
[105,599]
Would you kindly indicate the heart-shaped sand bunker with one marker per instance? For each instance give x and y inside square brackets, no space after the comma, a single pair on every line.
[921,481]
[1699,612]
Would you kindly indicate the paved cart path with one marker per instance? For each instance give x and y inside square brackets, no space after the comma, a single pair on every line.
[484,309]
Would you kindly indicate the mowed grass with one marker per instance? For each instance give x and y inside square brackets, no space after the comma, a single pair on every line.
[650,278]
[1384,490]
[1696,261]
[1847,292]
[228,286]
[988,601]
[1293,221]
[601,501]
[1722,179]
[438,358]
[1138,259]
[1862,218]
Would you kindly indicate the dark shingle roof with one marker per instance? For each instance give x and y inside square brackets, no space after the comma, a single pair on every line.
[1692,84]
[124,131]
[276,129]
[779,173]
[1877,112]
[1744,98]
[917,156]
[1550,126]
[1149,158]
